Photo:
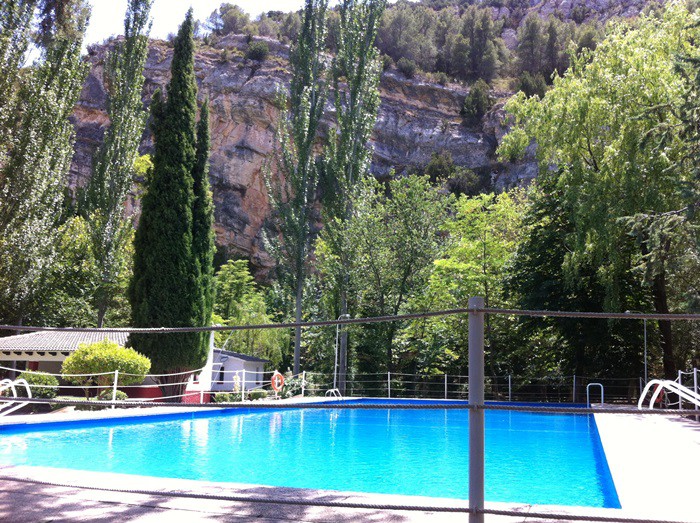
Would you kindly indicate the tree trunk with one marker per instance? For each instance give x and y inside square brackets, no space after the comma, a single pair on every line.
[101,312]
[343,349]
[174,385]
[297,330]
[661,307]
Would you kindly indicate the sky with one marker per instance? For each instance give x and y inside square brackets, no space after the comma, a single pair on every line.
[107,17]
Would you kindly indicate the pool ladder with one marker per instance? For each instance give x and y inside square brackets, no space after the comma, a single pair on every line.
[9,385]
[334,393]
[683,393]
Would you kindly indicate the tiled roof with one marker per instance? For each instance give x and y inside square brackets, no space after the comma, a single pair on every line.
[57,340]
[240,356]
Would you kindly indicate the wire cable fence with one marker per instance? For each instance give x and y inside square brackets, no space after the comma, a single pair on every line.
[476,387]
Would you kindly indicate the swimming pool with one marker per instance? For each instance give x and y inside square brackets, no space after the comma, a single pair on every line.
[530,457]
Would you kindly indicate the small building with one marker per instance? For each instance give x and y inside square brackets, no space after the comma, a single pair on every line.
[45,350]
[231,369]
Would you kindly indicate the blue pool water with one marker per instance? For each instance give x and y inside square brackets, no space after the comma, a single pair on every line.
[530,457]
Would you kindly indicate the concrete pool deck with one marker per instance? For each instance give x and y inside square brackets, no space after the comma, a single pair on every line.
[644,453]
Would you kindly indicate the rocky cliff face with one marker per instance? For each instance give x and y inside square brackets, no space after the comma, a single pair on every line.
[415,120]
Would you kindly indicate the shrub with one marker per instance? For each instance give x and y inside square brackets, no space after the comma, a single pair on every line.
[45,385]
[226,397]
[407,67]
[441,78]
[532,85]
[257,394]
[387,62]
[105,356]
[258,51]
[106,395]
[477,103]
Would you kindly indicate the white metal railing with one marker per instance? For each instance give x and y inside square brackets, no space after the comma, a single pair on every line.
[588,393]
[11,406]
[334,393]
[672,386]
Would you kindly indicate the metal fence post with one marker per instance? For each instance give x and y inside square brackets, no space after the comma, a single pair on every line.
[243,386]
[510,388]
[573,391]
[445,386]
[303,383]
[680,382]
[476,415]
[388,383]
[114,386]
[695,388]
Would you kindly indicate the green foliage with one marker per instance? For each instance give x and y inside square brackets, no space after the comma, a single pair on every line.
[257,394]
[621,188]
[42,384]
[485,231]
[407,67]
[113,167]
[109,395]
[166,289]
[35,154]
[387,270]
[239,302]
[258,51]
[293,194]
[105,357]
[227,397]
[532,85]
[477,102]
[203,246]
[227,19]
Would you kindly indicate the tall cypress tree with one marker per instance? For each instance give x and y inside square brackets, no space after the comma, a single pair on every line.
[203,219]
[164,291]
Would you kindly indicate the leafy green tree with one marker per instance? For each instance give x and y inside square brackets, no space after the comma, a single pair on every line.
[227,19]
[166,289]
[112,172]
[239,302]
[485,233]
[537,279]
[294,194]
[532,85]
[348,153]
[477,103]
[617,182]
[389,269]
[531,44]
[35,158]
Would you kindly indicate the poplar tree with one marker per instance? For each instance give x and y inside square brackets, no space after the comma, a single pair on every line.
[348,152]
[35,155]
[294,198]
[164,291]
[108,187]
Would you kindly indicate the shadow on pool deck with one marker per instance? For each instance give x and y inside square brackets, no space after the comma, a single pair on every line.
[25,498]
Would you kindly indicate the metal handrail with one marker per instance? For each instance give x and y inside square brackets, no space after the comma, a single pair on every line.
[334,393]
[684,393]
[588,393]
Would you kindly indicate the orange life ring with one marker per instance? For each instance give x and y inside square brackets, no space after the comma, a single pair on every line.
[277,381]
